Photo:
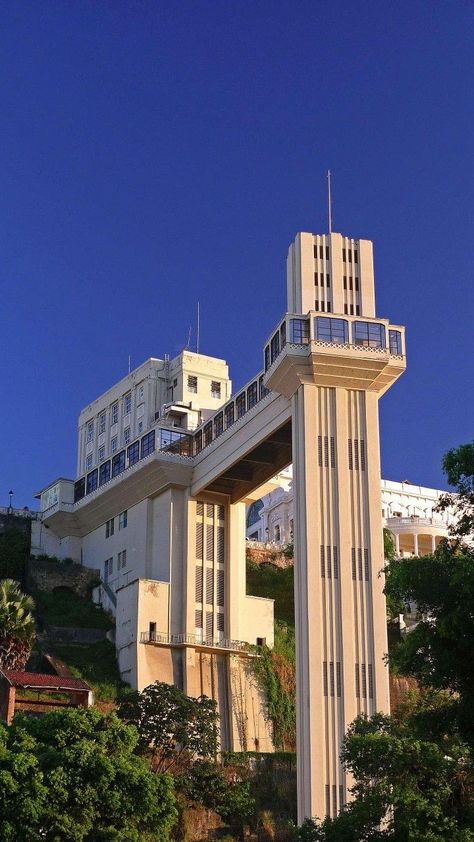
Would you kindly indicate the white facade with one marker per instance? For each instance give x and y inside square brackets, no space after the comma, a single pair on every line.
[408,511]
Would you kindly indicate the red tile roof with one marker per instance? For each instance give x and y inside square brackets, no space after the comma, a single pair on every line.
[41,681]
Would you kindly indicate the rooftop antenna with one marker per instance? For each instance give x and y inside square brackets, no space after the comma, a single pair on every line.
[188,343]
[198,331]
[329,202]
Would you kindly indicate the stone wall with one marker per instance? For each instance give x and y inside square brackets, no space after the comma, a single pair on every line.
[263,555]
[49,575]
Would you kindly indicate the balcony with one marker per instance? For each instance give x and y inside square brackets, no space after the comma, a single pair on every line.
[196,642]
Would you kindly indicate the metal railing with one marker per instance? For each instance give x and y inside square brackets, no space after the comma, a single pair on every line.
[195,640]
[415,520]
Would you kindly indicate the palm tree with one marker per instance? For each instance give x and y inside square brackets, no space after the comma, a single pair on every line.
[17,626]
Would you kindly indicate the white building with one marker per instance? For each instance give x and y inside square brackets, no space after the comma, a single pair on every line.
[408,511]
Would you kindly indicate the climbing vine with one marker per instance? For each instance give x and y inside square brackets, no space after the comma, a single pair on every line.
[275,673]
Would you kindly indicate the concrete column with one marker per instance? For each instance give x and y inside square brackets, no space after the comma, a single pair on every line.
[415,544]
[397,544]
[433,543]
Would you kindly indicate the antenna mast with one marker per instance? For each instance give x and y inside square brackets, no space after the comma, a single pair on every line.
[329,202]
[198,331]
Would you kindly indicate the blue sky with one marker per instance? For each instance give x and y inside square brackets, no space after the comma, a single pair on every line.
[154,154]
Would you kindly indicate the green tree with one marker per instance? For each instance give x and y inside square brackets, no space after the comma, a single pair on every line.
[17,626]
[173,728]
[418,788]
[73,775]
[14,553]
[458,465]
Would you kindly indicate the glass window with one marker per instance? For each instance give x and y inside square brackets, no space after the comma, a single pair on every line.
[215,389]
[102,422]
[109,527]
[299,331]
[89,460]
[127,404]
[262,389]
[113,444]
[368,334]
[114,413]
[123,519]
[148,443]
[252,395]
[198,442]
[101,453]
[118,463]
[229,413]
[332,330]
[122,560]
[283,335]
[126,435]
[192,384]
[267,357]
[275,346]
[133,453]
[140,427]
[104,473]
[240,405]
[395,342]
[90,431]
[79,489]
[92,481]
[218,424]
[208,433]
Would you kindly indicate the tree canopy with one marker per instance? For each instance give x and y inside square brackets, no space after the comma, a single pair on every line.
[73,775]
[17,625]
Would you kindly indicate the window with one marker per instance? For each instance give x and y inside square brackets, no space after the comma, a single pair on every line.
[369,334]
[328,281]
[357,310]
[104,473]
[192,384]
[277,534]
[283,335]
[356,256]
[229,413]
[133,453]
[118,463]
[395,342]
[140,427]
[350,256]
[175,382]
[267,357]
[90,431]
[114,414]
[89,460]
[126,435]
[252,395]
[198,442]
[123,519]
[102,423]
[127,404]
[109,527]
[299,331]
[344,255]
[113,444]
[151,631]
[240,405]
[91,482]
[148,443]
[275,346]
[356,284]
[335,331]
[122,560]
[108,568]
[208,433]
[262,389]
[215,389]
[140,393]
[218,424]
[345,281]
[101,453]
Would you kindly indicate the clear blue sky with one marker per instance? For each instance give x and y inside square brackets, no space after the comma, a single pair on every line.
[154,153]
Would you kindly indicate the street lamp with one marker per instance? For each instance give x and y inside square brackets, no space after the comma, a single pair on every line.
[10,494]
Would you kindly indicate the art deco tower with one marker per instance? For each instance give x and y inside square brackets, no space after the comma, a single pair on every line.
[338,359]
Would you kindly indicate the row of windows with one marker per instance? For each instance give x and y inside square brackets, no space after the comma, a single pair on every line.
[323,307]
[109,564]
[208,598]
[332,678]
[102,451]
[321,280]
[364,680]
[193,386]
[334,799]
[350,310]
[321,250]
[347,255]
[218,619]
[110,524]
[229,414]
[326,451]
[356,282]
[171,441]
[114,414]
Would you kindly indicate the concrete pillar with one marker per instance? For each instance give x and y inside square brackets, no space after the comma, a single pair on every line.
[415,544]
[433,543]
[397,545]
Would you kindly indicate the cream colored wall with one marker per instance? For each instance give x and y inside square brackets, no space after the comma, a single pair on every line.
[257,619]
